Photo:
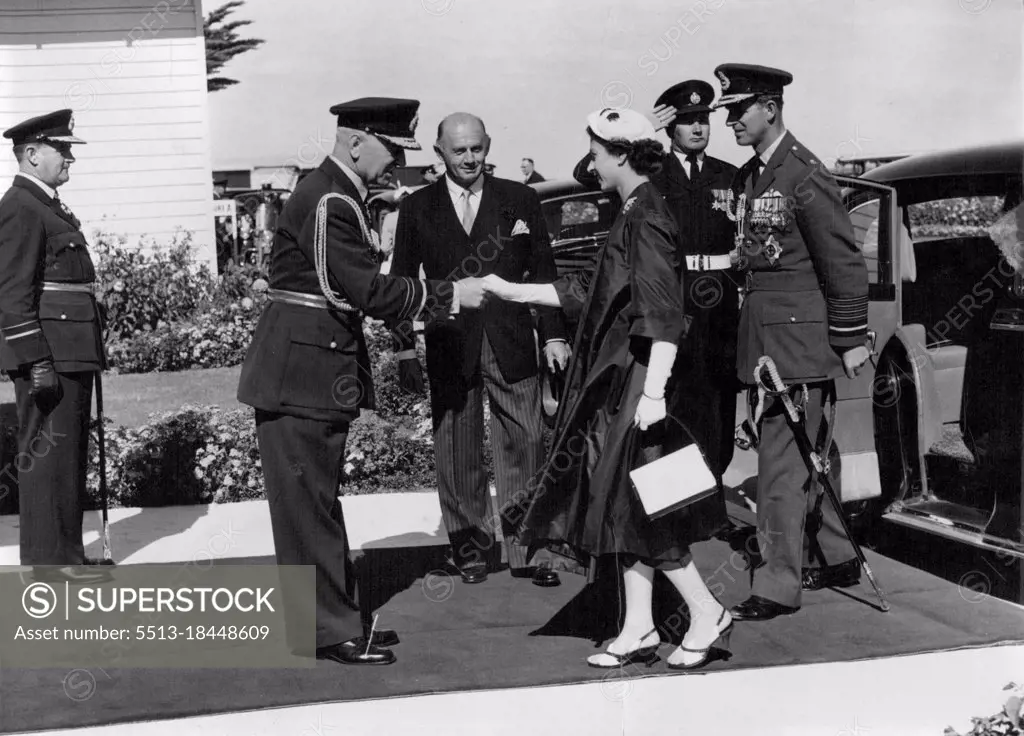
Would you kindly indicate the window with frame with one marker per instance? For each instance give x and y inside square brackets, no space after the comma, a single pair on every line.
[956,217]
[865,217]
[580,217]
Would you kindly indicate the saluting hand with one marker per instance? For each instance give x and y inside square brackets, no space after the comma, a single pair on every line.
[854,360]
[661,116]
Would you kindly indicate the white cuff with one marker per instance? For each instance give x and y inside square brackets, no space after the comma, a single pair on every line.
[407,355]
[555,339]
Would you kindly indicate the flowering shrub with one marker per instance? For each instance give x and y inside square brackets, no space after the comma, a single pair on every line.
[151,465]
[211,340]
[230,459]
[380,455]
[201,454]
[391,400]
[1005,723]
[164,313]
[146,286]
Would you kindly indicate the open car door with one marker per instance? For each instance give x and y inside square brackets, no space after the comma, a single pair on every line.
[873,212]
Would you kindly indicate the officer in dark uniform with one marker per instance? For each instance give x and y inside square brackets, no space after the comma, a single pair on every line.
[806,307]
[307,371]
[697,187]
[51,345]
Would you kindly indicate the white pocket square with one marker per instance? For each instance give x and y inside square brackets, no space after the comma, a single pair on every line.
[520,228]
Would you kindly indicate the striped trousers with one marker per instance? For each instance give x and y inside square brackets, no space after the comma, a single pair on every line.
[517,444]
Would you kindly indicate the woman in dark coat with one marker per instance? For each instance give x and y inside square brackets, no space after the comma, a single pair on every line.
[614,415]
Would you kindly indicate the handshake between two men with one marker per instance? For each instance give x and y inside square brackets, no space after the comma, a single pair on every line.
[473,293]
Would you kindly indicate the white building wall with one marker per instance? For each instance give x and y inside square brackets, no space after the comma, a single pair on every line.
[134,72]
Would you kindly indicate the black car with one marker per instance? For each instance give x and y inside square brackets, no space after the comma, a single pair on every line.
[936,429]
[578,221]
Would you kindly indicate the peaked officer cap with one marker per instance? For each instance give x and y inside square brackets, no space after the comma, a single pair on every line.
[55,126]
[394,120]
[691,96]
[742,81]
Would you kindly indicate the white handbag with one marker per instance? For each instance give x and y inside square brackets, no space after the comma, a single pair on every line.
[673,481]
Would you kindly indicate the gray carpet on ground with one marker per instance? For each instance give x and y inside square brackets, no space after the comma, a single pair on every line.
[508,633]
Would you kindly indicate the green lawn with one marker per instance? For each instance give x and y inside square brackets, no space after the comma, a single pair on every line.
[130,399]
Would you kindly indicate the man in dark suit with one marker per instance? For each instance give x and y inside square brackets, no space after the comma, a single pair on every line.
[806,307]
[307,371]
[472,224]
[529,172]
[51,347]
[696,187]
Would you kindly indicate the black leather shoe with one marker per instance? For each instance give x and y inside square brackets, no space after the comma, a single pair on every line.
[355,651]
[843,575]
[385,638]
[95,561]
[474,572]
[545,577]
[756,608]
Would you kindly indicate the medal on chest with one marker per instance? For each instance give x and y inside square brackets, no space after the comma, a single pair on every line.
[768,218]
[721,201]
[770,212]
[68,214]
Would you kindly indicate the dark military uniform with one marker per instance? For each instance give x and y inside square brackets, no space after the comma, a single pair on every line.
[805,304]
[307,371]
[699,203]
[48,313]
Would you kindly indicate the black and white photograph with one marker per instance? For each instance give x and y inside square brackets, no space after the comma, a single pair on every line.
[512,366]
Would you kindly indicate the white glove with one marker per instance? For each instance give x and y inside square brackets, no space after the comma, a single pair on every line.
[651,407]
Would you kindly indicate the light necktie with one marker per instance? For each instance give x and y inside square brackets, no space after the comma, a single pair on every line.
[467,212]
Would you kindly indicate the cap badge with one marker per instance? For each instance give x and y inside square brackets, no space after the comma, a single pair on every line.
[71,123]
[414,123]
[724,80]
[694,98]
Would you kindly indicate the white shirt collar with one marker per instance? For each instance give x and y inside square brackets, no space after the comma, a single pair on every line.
[766,156]
[681,155]
[360,185]
[47,189]
[455,190]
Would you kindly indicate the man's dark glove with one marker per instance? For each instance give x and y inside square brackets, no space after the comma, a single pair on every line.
[45,384]
[410,376]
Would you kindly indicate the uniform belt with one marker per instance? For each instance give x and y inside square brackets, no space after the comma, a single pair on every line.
[301,299]
[708,263]
[781,281]
[89,288]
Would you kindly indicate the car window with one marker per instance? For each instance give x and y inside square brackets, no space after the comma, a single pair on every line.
[581,216]
[865,219]
[579,212]
[953,218]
